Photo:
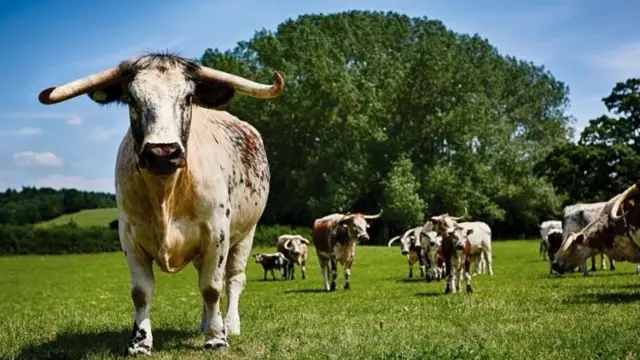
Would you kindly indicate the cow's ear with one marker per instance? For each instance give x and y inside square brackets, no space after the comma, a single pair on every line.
[107,95]
[213,95]
[469,232]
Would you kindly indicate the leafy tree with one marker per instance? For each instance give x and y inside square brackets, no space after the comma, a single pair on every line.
[401,200]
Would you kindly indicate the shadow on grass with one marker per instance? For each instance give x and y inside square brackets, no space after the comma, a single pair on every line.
[76,345]
[413,280]
[429,294]
[606,298]
[304,291]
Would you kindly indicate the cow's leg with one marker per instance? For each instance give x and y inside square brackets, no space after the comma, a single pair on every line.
[612,264]
[584,269]
[422,263]
[237,280]
[334,272]
[410,269]
[142,284]
[449,287]
[593,263]
[347,274]
[292,268]
[324,269]
[303,269]
[603,265]
[467,277]
[211,273]
[638,269]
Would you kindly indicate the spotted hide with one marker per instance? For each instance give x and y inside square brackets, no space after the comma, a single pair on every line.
[191,181]
[335,237]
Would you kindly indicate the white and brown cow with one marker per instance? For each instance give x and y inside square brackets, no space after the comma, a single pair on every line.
[432,248]
[615,232]
[335,237]
[191,181]
[294,247]
[411,248]
[545,227]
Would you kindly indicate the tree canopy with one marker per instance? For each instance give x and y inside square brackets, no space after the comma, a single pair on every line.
[384,110]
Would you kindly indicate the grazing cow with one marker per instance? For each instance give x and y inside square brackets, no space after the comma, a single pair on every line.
[191,181]
[273,261]
[545,227]
[554,240]
[294,247]
[431,245]
[335,237]
[576,217]
[411,248]
[615,232]
[462,243]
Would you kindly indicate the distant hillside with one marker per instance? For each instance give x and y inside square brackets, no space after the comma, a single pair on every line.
[32,205]
[85,218]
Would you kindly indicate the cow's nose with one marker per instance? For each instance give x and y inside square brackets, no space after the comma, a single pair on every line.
[459,247]
[363,237]
[162,159]
[404,252]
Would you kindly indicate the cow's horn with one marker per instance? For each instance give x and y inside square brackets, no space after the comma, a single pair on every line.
[618,203]
[80,86]
[567,242]
[456,218]
[371,217]
[392,240]
[242,85]
[287,243]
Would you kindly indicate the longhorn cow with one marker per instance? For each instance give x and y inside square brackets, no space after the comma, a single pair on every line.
[294,247]
[411,247]
[191,180]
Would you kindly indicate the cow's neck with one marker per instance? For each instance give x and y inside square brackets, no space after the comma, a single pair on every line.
[170,196]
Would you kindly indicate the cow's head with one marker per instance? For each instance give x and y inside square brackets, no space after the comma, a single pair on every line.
[159,90]
[431,239]
[295,244]
[407,240]
[356,225]
[443,223]
[572,253]
[258,258]
[459,237]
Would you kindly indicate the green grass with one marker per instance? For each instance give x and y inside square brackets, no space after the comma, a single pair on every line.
[78,307]
[85,218]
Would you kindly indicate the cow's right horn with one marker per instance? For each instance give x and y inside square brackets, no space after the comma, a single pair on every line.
[287,243]
[613,214]
[80,86]
[371,217]
[244,86]
[456,218]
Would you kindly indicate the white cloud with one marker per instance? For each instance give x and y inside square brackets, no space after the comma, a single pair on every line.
[623,60]
[71,119]
[77,182]
[100,134]
[37,159]
[28,131]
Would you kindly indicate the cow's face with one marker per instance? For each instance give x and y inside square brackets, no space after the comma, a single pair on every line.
[356,226]
[572,253]
[459,237]
[257,258]
[296,245]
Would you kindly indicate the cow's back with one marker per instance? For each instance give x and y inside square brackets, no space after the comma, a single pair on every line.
[322,229]
[577,216]
[481,236]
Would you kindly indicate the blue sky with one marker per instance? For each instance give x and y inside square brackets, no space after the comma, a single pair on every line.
[587,44]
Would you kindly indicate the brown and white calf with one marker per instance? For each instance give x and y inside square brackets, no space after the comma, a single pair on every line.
[191,181]
[615,232]
[411,248]
[335,237]
[273,261]
[294,247]
[432,247]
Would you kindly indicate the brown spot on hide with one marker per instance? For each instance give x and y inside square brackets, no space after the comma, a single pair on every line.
[220,260]
[228,212]
[162,68]
[210,295]
[138,297]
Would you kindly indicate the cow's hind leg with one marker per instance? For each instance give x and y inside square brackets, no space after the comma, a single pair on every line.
[593,263]
[334,273]
[236,280]
[347,275]
[142,283]
[410,269]
[324,269]
[612,264]
[303,269]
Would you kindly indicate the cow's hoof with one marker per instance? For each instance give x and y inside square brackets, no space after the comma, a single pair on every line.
[447,290]
[333,287]
[137,349]
[347,286]
[469,290]
[216,344]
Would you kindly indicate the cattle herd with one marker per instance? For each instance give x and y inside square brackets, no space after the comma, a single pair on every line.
[192,182]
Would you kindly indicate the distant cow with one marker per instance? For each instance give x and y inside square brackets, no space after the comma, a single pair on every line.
[335,237]
[462,243]
[553,241]
[294,247]
[431,246]
[545,227]
[273,261]
[577,217]
[411,248]
[614,232]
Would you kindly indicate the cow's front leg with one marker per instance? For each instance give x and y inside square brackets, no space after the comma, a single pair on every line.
[324,269]
[449,287]
[334,272]
[467,277]
[292,269]
[236,280]
[142,283]
[210,275]
[612,264]
[347,274]
[303,269]
[421,263]
[410,269]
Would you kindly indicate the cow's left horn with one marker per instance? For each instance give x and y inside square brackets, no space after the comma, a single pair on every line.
[244,86]
[456,218]
[371,217]
[392,240]
[80,86]
[618,203]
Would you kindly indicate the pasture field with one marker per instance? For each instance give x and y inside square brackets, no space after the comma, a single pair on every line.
[85,218]
[78,307]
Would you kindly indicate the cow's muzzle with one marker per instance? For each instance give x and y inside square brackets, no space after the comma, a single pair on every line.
[162,159]
[363,237]
[557,268]
[459,247]
[404,252]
